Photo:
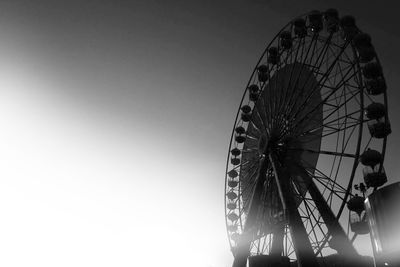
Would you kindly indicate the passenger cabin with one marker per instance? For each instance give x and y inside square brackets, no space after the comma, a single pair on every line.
[357,219]
[373,171]
[374,176]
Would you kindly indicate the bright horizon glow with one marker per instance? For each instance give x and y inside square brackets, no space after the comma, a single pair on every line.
[80,191]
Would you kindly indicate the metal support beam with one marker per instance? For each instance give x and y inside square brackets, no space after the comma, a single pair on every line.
[277,241]
[304,252]
[339,240]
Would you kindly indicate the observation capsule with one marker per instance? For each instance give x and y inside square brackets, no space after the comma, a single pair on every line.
[358,223]
[348,24]
[366,53]
[315,21]
[233,217]
[254,87]
[231,195]
[331,17]
[233,183]
[263,73]
[299,27]
[362,39]
[371,157]
[235,152]
[231,206]
[379,128]
[372,70]
[375,86]
[253,97]
[240,130]
[362,42]
[240,138]
[375,111]
[286,39]
[246,117]
[273,55]
[235,161]
[357,219]
[356,204]
[233,174]
[246,109]
[374,177]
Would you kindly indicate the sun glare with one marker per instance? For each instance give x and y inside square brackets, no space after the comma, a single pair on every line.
[76,193]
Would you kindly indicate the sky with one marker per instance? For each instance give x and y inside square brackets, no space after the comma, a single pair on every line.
[116,118]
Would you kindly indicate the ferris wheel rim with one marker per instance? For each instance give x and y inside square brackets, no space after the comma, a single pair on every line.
[361,124]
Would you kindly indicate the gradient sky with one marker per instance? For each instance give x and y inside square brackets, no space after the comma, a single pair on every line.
[116,117]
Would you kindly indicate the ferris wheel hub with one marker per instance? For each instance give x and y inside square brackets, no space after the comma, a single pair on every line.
[272,144]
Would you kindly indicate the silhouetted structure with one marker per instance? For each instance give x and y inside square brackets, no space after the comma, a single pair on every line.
[314,106]
[383,210]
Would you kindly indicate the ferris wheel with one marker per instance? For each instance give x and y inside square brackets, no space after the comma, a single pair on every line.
[310,131]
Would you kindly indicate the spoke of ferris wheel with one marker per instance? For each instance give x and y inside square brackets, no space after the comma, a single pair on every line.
[351,90]
[255,125]
[304,252]
[357,121]
[340,243]
[287,102]
[243,248]
[339,68]
[325,77]
[251,177]
[259,106]
[312,45]
[320,83]
[333,110]
[277,241]
[360,133]
[329,182]
[325,180]
[262,114]
[310,215]
[332,153]
[245,192]
[347,116]
[319,104]
[332,130]
[301,56]
[291,102]
[318,64]
[284,95]
[343,76]
[343,146]
[269,95]
[336,107]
